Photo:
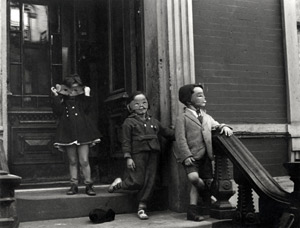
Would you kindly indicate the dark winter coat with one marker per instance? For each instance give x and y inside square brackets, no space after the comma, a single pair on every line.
[142,135]
[75,125]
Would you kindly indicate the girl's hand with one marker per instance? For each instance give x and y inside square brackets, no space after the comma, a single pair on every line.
[130,164]
[227,131]
[87,91]
[54,91]
[189,161]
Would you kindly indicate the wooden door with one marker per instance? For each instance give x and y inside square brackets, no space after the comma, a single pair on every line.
[102,40]
[35,64]
[126,71]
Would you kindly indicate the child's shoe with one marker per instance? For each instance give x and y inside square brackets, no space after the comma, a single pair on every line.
[73,190]
[193,213]
[115,185]
[142,214]
[89,190]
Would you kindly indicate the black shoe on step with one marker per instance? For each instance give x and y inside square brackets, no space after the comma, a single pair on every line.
[193,213]
[89,190]
[73,190]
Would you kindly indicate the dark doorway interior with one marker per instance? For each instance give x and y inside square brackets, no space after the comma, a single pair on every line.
[100,40]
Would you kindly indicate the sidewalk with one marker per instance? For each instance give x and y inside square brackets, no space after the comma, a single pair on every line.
[158,219]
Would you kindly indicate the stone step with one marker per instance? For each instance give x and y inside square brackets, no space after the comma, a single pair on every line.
[53,203]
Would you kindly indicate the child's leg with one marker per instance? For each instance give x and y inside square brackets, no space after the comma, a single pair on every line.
[198,184]
[72,156]
[149,183]
[196,181]
[150,177]
[194,195]
[83,154]
[136,178]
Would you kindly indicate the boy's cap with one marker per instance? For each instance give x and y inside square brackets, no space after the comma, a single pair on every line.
[186,91]
[99,215]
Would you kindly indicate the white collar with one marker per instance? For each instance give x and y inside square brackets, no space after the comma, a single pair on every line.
[194,112]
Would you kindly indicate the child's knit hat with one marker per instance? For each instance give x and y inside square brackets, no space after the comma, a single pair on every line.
[186,91]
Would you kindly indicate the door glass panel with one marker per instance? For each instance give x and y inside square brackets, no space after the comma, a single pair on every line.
[15,81]
[54,15]
[56,74]
[14,16]
[56,49]
[30,102]
[15,102]
[43,102]
[36,76]
[15,45]
[35,27]
[35,62]
[117,42]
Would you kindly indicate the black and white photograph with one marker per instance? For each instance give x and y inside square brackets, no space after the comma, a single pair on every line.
[150,113]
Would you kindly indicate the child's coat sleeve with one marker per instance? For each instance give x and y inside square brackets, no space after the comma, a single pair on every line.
[57,106]
[182,150]
[126,139]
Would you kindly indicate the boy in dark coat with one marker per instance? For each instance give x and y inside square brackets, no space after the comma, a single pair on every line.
[141,148]
[193,137]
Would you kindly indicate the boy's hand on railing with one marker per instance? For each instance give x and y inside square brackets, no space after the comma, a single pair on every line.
[227,131]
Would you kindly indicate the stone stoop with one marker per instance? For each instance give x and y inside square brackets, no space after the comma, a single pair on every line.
[53,203]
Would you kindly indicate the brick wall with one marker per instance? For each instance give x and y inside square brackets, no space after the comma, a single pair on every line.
[239,58]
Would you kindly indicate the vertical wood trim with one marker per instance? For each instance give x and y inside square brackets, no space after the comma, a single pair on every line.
[292,73]
[3,73]
[163,69]
[181,49]
[190,35]
[110,58]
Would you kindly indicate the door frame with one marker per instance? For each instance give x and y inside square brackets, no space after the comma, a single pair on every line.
[3,70]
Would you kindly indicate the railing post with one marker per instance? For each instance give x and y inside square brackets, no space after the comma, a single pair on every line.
[245,213]
[222,189]
[8,214]
[293,169]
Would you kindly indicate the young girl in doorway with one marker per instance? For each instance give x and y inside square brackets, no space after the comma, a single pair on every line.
[75,131]
[140,145]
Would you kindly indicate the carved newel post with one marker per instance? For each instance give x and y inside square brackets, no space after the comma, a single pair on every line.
[8,214]
[293,169]
[222,188]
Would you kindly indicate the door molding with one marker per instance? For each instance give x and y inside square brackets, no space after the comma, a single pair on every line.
[3,74]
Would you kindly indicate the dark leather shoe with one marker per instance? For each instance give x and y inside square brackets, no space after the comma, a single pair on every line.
[89,190]
[193,213]
[73,190]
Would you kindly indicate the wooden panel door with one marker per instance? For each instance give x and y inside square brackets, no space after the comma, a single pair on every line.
[125,70]
[35,64]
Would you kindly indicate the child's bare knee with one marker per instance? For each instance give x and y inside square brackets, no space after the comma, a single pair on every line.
[72,162]
[84,163]
[193,177]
